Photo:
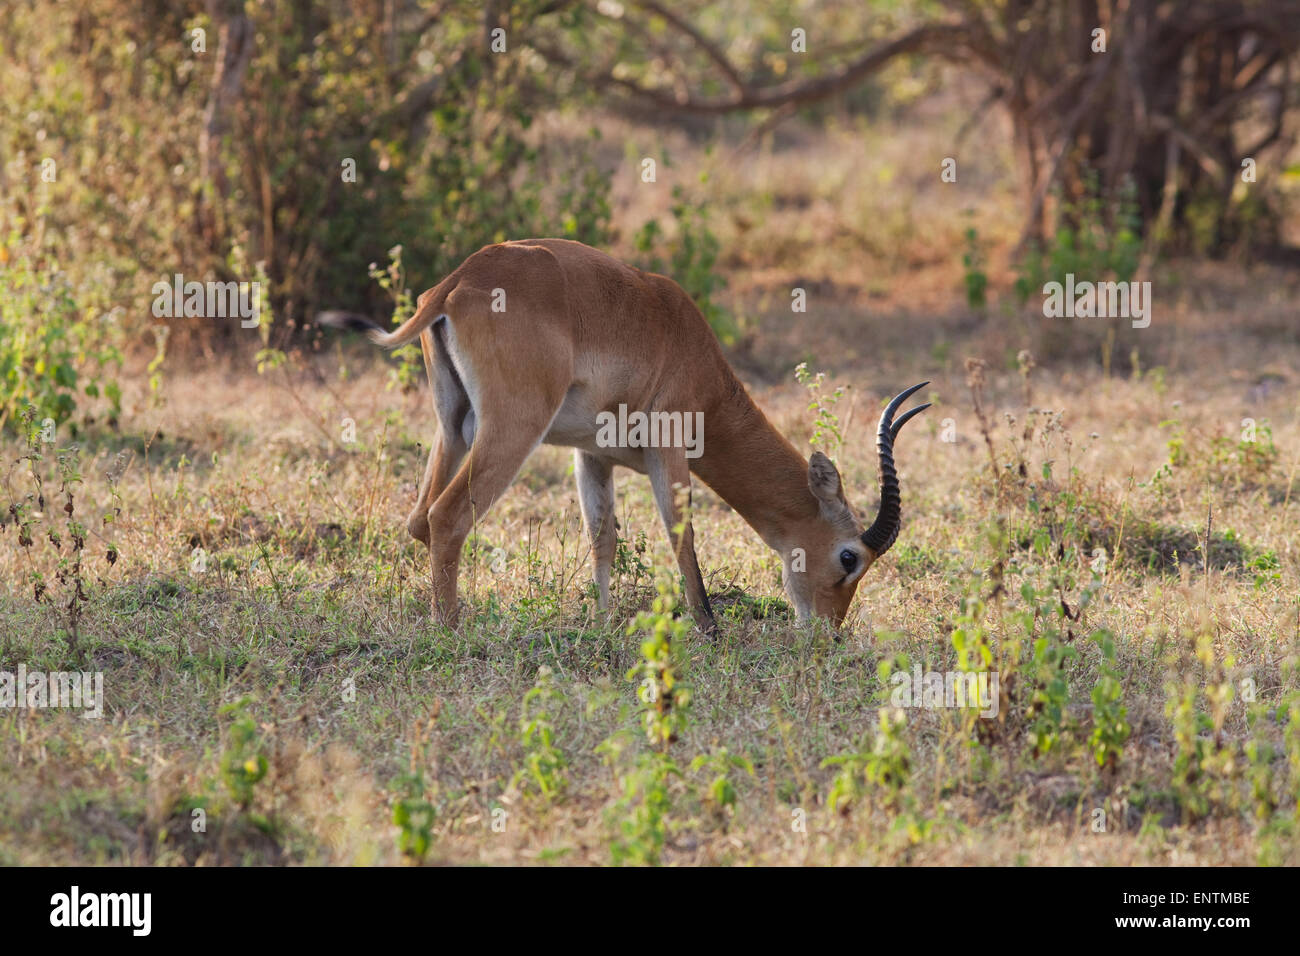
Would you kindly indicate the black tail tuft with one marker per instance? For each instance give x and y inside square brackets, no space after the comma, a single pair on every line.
[351,321]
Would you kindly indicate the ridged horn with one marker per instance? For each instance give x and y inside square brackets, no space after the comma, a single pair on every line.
[884,530]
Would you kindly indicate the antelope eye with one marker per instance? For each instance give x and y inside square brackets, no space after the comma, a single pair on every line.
[849,559]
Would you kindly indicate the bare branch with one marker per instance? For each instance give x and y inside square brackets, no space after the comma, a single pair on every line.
[943,39]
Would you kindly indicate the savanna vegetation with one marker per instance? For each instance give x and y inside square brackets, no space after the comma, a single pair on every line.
[213,516]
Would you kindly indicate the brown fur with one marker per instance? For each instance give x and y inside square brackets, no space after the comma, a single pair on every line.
[581,333]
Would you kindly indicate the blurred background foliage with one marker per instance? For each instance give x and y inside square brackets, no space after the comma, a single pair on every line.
[206,162]
[214,139]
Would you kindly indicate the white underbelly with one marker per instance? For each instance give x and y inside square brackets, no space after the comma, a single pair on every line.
[575,426]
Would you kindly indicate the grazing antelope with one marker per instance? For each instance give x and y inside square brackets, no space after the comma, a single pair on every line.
[547,340]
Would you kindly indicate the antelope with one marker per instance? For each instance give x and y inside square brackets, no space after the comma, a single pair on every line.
[539,341]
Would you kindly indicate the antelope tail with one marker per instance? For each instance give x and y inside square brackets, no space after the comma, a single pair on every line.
[427,312]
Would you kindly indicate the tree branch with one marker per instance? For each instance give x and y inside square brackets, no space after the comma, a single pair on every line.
[711,49]
[943,39]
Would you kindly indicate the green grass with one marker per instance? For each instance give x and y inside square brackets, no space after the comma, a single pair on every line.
[307,643]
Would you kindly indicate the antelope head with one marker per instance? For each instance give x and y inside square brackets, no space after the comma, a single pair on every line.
[834,551]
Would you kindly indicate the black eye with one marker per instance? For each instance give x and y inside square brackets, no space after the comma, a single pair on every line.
[849,559]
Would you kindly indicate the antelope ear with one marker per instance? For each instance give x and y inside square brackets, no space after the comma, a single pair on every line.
[824,480]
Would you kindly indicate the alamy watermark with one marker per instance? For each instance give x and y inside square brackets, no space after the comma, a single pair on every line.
[651,430]
[130,910]
[208,300]
[937,689]
[38,690]
[1101,300]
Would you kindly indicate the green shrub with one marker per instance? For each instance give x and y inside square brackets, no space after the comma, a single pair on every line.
[347,132]
[692,260]
[1096,240]
[53,353]
[1110,726]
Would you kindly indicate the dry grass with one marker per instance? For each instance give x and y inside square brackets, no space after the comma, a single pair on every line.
[313,603]
[311,581]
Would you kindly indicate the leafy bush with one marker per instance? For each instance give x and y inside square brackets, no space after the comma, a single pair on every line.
[974,276]
[827,435]
[244,763]
[882,765]
[692,260]
[347,131]
[52,352]
[1110,726]
[543,774]
[643,810]
[1096,240]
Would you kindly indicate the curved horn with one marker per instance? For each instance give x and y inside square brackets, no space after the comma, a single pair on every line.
[884,530]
